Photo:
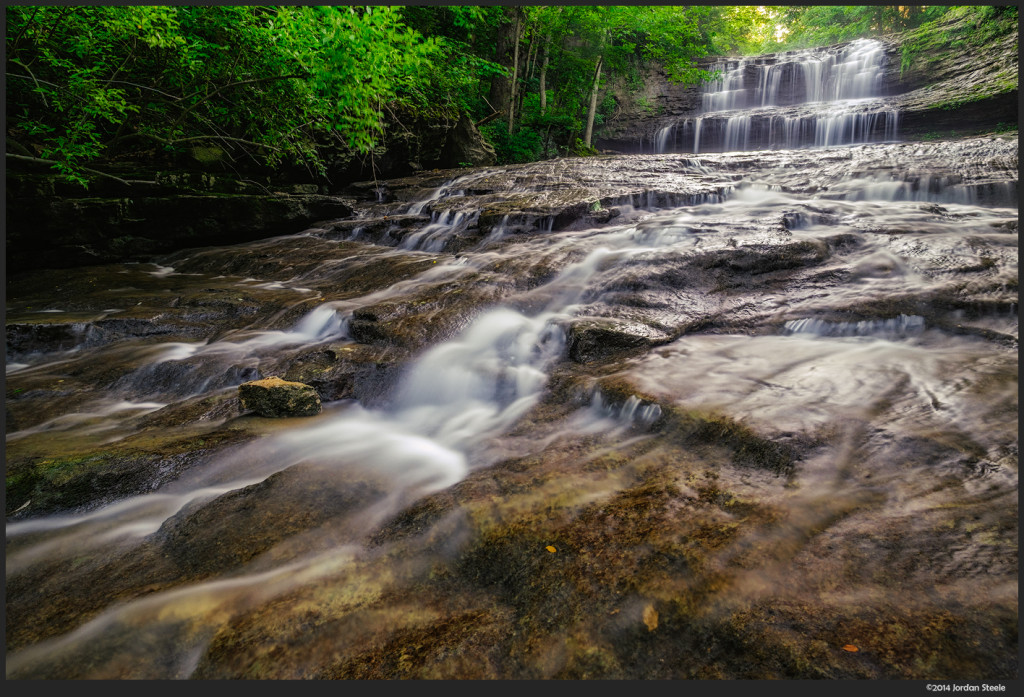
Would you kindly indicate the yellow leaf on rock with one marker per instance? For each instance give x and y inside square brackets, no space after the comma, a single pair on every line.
[851,648]
[650,618]
[551,549]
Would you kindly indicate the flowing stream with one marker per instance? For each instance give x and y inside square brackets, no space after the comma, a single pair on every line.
[631,416]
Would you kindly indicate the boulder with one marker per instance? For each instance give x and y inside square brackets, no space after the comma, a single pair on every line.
[465,146]
[276,398]
[597,338]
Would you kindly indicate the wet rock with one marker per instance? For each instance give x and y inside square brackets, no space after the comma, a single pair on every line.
[594,339]
[435,312]
[872,462]
[632,127]
[274,397]
[41,485]
[219,535]
[59,232]
[942,90]
[352,371]
[25,338]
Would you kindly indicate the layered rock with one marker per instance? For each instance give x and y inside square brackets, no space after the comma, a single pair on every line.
[146,209]
[53,224]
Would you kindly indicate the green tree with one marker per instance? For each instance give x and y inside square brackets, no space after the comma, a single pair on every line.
[88,84]
[820,25]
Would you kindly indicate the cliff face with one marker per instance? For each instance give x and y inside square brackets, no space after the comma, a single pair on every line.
[640,114]
[52,223]
[946,88]
[954,88]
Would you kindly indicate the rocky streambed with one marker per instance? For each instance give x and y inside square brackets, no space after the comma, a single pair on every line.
[738,415]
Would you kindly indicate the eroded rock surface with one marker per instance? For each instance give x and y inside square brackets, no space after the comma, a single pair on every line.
[279,398]
[765,410]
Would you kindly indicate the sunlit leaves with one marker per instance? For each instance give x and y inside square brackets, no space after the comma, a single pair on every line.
[366,60]
[85,78]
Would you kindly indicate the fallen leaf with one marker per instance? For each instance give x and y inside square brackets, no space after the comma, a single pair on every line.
[651,618]
[851,648]
[551,549]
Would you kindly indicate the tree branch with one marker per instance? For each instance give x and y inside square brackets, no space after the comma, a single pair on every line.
[233,140]
[487,119]
[24,29]
[19,147]
[220,89]
[175,141]
[33,75]
[144,87]
[41,161]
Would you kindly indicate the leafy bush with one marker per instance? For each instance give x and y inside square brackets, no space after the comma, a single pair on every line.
[265,83]
[522,146]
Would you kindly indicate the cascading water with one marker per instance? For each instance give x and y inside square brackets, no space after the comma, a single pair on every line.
[816,97]
[722,368]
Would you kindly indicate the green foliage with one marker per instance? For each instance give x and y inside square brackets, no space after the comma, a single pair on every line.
[957,28]
[822,25]
[605,109]
[581,149]
[648,108]
[618,41]
[88,84]
[299,85]
[522,146]
[746,29]
[370,59]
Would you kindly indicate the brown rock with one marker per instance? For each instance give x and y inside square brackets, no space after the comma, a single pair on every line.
[276,398]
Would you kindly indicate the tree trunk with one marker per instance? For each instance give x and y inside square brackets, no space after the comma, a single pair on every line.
[515,72]
[500,85]
[592,111]
[543,76]
[531,56]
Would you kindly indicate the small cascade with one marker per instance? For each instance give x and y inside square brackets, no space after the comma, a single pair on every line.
[443,226]
[446,190]
[896,327]
[932,188]
[634,412]
[178,369]
[810,98]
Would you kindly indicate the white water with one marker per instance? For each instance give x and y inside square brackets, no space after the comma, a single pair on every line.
[443,225]
[816,97]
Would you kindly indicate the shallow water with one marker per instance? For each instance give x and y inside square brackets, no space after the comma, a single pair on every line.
[788,365]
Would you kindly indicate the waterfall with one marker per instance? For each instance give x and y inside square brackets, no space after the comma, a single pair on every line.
[808,98]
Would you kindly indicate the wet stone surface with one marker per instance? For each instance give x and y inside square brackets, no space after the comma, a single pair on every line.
[761,406]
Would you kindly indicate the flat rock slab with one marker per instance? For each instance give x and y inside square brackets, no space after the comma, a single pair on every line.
[276,398]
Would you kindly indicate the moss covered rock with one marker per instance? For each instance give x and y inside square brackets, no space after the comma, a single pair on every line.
[276,398]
